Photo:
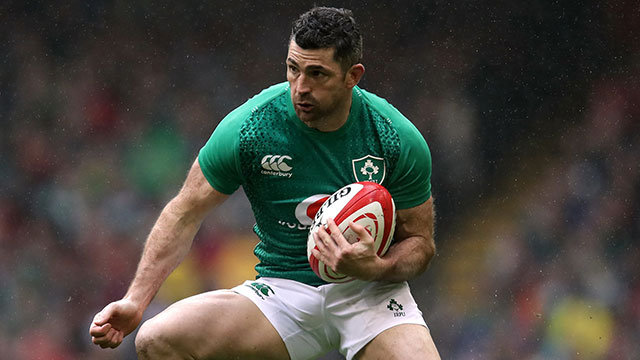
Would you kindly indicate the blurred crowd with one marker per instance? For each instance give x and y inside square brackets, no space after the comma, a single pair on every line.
[550,269]
[531,112]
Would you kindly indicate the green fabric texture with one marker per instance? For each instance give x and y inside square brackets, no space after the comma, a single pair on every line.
[281,163]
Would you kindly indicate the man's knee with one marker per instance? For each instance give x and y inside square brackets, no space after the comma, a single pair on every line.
[232,327]
[176,333]
[151,342]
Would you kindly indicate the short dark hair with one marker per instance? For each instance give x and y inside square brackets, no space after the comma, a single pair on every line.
[326,27]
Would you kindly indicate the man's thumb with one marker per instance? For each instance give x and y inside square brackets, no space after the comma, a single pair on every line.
[103,316]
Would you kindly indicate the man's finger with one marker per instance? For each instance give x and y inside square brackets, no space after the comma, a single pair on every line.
[319,255]
[100,331]
[322,253]
[326,237]
[117,339]
[111,338]
[108,340]
[361,231]
[337,236]
[103,316]
[319,242]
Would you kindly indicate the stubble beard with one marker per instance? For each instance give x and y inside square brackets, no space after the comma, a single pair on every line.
[319,116]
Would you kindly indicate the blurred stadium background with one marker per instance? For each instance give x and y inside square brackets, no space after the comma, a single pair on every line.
[531,110]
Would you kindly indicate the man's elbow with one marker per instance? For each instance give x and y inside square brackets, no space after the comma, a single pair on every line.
[429,254]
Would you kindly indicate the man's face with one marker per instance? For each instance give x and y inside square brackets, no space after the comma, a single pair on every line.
[317,81]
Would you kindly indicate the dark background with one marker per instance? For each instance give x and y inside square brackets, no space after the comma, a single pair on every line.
[530,109]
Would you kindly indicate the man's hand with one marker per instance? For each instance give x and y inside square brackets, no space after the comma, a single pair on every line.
[114,322]
[358,259]
[167,245]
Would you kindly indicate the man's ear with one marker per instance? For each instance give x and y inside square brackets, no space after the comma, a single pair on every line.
[354,74]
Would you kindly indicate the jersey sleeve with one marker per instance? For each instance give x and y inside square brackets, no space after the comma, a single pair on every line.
[219,157]
[410,183]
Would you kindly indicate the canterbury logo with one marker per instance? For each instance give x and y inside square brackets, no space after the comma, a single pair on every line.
[276,163]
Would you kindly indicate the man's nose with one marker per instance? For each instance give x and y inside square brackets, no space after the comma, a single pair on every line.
[303,84]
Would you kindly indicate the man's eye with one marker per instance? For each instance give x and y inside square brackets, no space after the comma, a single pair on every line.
[293,68]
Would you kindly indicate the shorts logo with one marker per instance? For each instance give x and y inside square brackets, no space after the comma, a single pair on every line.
[260,289]
[369,168]
[396,308]
[276,165]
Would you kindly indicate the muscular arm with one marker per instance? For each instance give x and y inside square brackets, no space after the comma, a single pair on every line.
[167,245]
[171,236]
[410,255]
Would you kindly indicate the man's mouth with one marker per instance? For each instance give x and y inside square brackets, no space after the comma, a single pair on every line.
[304,106]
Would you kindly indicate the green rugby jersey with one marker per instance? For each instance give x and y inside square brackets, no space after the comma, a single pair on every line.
[286,167]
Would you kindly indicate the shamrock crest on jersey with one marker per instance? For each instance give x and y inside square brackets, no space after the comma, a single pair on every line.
[369,168]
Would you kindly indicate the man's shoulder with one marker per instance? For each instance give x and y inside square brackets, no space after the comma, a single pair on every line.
[271,93]
[381,108]
[380,105]
[269,98]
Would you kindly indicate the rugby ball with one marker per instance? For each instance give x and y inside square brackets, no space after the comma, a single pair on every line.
[365,203]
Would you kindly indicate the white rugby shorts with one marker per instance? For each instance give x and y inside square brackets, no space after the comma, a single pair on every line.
[314,320]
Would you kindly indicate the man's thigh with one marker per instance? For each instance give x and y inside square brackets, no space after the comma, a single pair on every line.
[406,342]
[217,324]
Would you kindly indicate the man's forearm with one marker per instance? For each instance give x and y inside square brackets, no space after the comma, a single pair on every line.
[167,245]
[406,259]
[410,256]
